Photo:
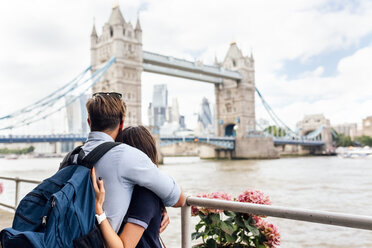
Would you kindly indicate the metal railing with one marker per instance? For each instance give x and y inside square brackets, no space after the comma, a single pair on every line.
[17,181]
[322,217]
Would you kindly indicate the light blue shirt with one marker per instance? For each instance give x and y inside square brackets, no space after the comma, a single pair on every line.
[123,167]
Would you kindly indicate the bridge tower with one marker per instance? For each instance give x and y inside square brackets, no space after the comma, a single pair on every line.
[235,108]
[313,122]
[119,38]
[235,99]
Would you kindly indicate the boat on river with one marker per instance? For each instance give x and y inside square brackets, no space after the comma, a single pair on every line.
[12,156]
[354,152]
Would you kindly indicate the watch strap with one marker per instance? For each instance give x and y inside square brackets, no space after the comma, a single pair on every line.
[100,218]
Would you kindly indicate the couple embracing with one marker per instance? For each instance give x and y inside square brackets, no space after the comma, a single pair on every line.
[131,193]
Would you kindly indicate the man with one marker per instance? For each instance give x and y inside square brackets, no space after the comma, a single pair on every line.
[123,166]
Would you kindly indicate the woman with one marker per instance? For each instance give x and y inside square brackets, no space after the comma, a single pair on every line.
[141,224]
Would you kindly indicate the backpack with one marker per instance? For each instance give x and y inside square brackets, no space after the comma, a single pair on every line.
[60,211]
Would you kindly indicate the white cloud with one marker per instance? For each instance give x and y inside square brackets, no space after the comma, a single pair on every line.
[345,97]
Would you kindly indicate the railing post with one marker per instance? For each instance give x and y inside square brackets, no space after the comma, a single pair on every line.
[185,226]
[17,182]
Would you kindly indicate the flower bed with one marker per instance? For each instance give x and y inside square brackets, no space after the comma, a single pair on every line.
[218,228]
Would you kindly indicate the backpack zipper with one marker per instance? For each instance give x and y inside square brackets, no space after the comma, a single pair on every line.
[45,217]
[44,220]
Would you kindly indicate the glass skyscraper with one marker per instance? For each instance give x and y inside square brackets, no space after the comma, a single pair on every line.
[160,104]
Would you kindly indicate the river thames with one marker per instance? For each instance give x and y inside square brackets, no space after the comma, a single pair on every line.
[316,183]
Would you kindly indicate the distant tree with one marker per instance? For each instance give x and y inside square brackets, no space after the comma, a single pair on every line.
[276,131]
[30,149]
[17,151]
[364,140]
[4,150]
[343,140]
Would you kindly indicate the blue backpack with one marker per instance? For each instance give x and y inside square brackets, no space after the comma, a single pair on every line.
[60,212]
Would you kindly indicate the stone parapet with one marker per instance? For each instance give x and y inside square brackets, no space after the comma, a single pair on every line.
[255,147]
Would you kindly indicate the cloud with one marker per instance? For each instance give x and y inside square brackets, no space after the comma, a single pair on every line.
[345,97]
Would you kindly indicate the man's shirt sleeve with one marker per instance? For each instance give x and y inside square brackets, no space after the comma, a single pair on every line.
[140,170]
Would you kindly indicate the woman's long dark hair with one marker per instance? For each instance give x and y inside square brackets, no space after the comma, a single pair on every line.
[140,138]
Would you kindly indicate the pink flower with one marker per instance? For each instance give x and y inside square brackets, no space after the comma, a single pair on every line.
[1,188]
[219,196]
[254,196]
[194,211]
[270,231]
[215,195]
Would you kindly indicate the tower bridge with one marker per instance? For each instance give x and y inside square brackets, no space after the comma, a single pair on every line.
[233,81]
[118,59]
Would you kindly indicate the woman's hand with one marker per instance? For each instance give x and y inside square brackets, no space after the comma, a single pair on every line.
[131,234]
[99,192]
[164,221]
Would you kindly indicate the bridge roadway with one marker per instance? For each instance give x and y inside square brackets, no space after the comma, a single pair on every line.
[303,142]
[227,143]
[51,138]
[220,142]
[171,66]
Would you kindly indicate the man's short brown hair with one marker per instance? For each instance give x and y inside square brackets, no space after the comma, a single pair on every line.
[106,111]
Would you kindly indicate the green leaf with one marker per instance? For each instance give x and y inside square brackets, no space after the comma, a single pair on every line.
[261,246]
[196,235]
[253,230]
[229,213]
[230,219]
[230,238]
[227,227]
[211,243]
[216,230]
[239,221]
[208,219]
[231,223]
[198,226]
[215,218]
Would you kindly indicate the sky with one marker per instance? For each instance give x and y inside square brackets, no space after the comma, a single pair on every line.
[310,56]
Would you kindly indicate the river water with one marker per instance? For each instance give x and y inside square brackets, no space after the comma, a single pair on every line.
[317,183]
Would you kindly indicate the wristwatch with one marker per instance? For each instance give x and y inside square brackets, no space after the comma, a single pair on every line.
[100,218]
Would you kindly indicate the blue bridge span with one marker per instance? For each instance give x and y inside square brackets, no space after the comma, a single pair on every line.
[227,143]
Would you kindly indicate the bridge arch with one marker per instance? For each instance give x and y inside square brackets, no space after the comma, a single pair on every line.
[230,130]
[318,137]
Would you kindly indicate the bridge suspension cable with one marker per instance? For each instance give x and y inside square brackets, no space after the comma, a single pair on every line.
[314,135]
[278,122]
[47,106]
[46,99]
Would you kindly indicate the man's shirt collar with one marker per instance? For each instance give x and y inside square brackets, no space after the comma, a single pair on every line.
[99,136]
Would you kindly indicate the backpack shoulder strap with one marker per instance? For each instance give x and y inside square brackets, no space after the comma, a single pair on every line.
[69,158]
[98,152]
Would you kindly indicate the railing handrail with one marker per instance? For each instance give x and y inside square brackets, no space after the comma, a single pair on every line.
[17,182]
[22,180]
[316,216]
[321,217]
